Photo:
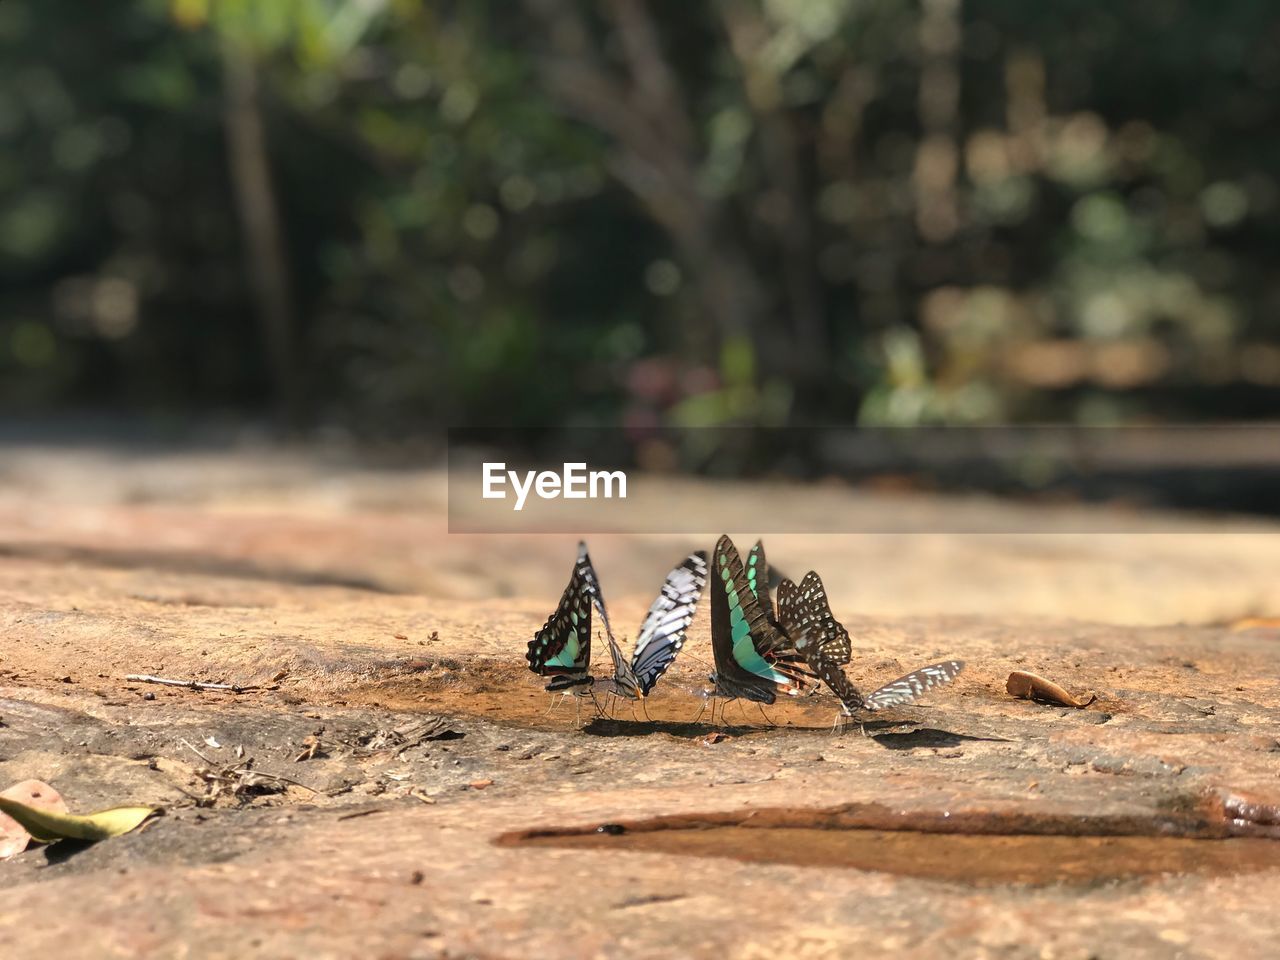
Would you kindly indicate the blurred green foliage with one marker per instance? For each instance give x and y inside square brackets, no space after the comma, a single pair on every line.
[552,211]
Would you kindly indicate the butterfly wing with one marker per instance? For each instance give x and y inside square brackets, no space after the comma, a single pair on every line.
[789,606]
[802,622]
[562,648]
[662,633]
[828,633]
[757,571]
[914,685]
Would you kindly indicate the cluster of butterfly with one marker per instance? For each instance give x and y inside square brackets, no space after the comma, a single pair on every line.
[759,651]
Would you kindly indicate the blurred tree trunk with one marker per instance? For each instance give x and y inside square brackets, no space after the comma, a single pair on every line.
[787,204]
[938,153]
[260,226]
[656,157]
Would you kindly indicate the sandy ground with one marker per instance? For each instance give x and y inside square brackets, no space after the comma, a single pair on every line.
[439,809]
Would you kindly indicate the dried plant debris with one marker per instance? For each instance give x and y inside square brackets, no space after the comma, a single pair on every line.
[311,747]
[397,740]
[191,684]
[14,837]
[237,782]
[1030,686]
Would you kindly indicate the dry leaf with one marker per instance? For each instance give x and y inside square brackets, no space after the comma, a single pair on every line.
[480,784]
[714,737]
[34,793]
[49,825]
[1030,686]
[310,747]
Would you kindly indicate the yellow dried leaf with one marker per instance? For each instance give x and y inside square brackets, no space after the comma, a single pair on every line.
[35,793]
[48,826]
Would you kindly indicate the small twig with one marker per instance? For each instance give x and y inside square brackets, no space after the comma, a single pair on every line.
[197,753]
[279,779]
[189,684]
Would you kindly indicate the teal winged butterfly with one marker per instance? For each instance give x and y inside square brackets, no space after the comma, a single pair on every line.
[806,616]
[662,632]
[741,634]
[561,650]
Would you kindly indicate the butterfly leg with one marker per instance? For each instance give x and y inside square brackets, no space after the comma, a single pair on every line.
[765,715]
[644,708]
[596,703]
[554,701]
[701,710]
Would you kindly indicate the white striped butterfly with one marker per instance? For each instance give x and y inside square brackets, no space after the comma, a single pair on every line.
[663,630]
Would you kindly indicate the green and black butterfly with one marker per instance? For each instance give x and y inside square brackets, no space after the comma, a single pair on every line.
[742,638]
[824,642]
[662,632]
[561,650]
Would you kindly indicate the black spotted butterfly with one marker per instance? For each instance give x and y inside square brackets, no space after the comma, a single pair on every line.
[824,642]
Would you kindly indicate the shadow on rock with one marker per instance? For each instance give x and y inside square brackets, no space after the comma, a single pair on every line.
[686,730]
[928,737]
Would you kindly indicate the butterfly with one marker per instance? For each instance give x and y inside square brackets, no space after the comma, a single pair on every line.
[741,633]
[662,632]
[780,652]
[562,648]
[824,642]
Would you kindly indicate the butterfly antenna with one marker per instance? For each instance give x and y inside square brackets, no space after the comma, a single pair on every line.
[697,659]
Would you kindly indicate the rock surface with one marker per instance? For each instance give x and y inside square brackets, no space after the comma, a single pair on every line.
[371,795]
